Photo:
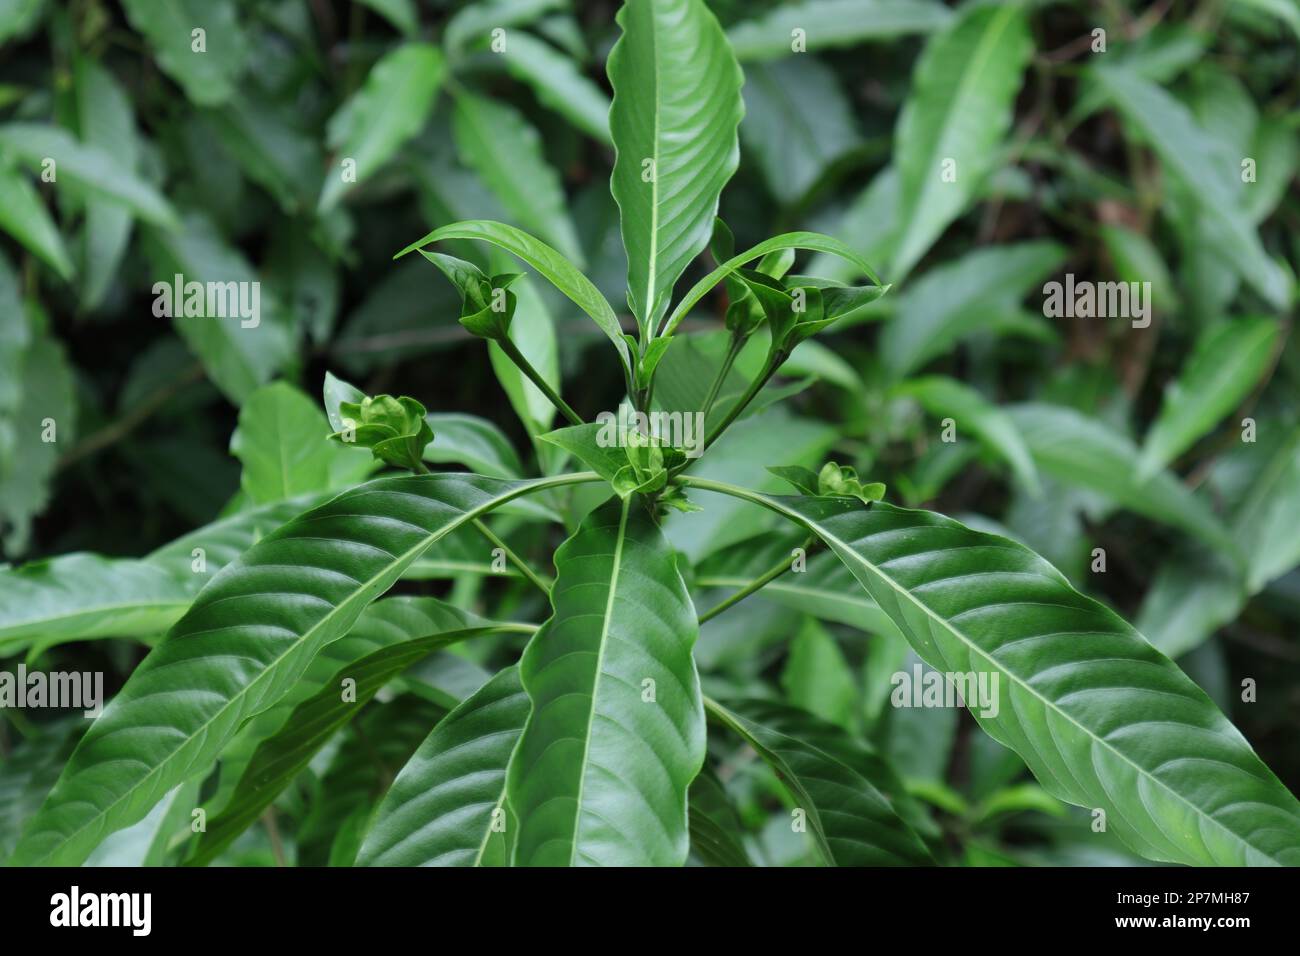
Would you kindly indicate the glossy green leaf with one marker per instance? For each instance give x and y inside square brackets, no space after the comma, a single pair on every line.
[952,124]
[447,806]
[403,632]
[1227,363]
[716,835]
[789,240]
[244,642]
[616,732]
[676,108]
[1101,717]
[845,790]
[474,442]
[391,107]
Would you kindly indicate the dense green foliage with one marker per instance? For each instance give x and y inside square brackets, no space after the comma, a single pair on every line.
[382,569]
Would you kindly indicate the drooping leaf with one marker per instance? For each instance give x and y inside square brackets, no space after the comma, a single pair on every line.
[243,643]
[1224,367]
[825,24]
[676,108]
[558,83]
[403,638]
[845,790]
[447,806]
[198,43]
[80,596]
[616,732]
[948,398]
[1103,719]
[391,107]
[85,167]
[1187,153]
[1085,452]
[497,142]
[953,122]
[715,827]
[238,353]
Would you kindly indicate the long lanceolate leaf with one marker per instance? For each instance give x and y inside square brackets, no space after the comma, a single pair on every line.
[674,118]
[616,732]
[447,806]
[249,636]
[1102,718]
[835,780]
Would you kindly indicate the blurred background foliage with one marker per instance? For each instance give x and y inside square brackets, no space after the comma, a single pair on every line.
[1073,434]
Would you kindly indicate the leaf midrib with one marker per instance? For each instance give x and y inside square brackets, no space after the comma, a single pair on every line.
[408,555]
[834,540]
[600,666]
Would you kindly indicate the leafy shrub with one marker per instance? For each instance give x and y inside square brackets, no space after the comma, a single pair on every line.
[747,651]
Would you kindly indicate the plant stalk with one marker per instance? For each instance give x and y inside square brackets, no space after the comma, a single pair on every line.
[760,582]
[525,366]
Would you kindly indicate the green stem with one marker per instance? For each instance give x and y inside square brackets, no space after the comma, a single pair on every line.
[737,343]
[773,363]
[513,353]
[514,559]
[757,584]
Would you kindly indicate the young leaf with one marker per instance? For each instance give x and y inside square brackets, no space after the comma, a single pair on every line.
[1226,364]
[242,645]
[616,732]
[554,268]
[1103,719]
[676,108]
[844,789]
[953,122]
[447,806]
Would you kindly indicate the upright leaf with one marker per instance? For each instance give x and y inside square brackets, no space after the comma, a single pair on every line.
[676,108]
[953,122]
[616,732]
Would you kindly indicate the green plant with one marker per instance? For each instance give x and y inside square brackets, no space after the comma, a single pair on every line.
[593,748]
